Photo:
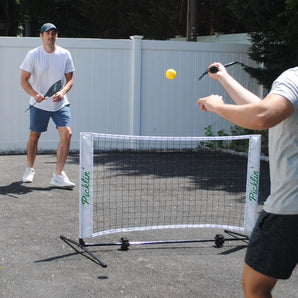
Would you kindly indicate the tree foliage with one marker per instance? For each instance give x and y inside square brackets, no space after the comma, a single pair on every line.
[152,19]
[123,18]
[65,14]
[273,29]
[215,16]
[9,17]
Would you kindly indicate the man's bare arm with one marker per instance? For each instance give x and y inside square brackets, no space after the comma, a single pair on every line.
[257,115]
[25,76]
[236,91]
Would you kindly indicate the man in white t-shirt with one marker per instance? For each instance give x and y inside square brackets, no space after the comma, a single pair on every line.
[272,252]
[41,68]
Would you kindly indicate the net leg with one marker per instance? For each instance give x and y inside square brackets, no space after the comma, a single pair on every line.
[124,244]
[81,244]
[219,240]
[237,236]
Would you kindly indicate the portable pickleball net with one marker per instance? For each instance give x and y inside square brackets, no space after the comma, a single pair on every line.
[133,184]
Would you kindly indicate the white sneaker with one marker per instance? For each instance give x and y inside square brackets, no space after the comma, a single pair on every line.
[28,175]
[61,181]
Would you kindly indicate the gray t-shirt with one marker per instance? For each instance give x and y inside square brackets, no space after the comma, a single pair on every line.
[283,150]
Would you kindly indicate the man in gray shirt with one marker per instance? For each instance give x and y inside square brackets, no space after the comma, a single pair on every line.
[272,252]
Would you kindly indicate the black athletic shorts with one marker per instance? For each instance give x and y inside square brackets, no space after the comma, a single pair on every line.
[273,245]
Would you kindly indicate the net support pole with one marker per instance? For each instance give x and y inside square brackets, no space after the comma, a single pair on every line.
[136,68]
[86,185]
[252,183]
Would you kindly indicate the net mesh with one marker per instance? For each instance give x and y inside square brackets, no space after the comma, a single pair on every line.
[151,183]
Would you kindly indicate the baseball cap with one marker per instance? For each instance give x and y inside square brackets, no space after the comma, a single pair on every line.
[47,26]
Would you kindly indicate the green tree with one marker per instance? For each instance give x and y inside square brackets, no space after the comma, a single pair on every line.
[273,29]
[65,14]
[215,16]
[122,18]
[9,17]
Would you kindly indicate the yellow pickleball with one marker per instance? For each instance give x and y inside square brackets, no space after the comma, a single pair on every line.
[171,74]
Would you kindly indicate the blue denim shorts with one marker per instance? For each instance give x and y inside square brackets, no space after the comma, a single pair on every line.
[39,119]
[273,245]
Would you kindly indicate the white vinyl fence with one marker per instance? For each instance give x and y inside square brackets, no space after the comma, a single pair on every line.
[120,88]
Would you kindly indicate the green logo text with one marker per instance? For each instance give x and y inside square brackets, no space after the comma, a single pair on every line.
[85,187]
[254,183]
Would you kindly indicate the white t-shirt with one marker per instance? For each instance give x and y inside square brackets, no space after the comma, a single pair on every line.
[46,69]
[283,150]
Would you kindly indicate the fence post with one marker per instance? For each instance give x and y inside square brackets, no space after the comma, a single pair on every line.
[136,68]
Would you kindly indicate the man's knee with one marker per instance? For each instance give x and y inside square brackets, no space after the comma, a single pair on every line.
[34,136]
[255,284]
[65,133]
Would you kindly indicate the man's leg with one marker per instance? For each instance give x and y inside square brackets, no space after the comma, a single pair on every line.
[255,284]
[63,148]
[62,119]
[32,147]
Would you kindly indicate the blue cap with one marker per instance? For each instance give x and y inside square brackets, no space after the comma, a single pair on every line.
[47,26]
